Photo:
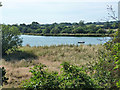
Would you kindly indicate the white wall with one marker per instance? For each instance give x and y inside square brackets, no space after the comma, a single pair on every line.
[119,10]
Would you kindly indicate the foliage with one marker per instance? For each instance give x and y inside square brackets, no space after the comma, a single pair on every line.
[116,38]
[116,54]
[10,38]
[110,31]
[76,77]
[107,25]
[107,69]
[79,30]
[101,31]
[3,79]
[103,70]
[71,77]
[116,50]
[113,62]
[70,28]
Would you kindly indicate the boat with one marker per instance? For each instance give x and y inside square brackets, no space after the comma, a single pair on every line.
[81,42]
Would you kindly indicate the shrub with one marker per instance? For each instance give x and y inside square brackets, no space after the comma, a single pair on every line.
[10,39]
[107,68]
[3,79]
[116,50]
[76,77]
[71,77]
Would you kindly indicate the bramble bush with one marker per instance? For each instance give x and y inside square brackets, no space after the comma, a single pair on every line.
[106,70]
[71,77]
[115,49]
[103,71]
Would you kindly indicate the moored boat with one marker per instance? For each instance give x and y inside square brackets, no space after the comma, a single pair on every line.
[81,42]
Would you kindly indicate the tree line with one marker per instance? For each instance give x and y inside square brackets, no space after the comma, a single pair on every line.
[68,28]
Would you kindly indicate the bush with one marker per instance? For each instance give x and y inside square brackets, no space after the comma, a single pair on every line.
[103,70]
[3,79]
[10,39]
[107,68]
[76,77]
[71,77]
[116,52]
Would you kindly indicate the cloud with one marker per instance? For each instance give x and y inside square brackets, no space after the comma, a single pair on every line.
[17,11]
[17,3]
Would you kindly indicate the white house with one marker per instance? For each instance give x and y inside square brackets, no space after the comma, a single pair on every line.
[119,10]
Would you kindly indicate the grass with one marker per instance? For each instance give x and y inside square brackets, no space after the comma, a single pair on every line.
[19,63]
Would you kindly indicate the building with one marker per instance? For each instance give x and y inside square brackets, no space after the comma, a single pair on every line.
[119,10]
[0,4]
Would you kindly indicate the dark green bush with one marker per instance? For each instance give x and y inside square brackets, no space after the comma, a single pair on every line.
[10,39]
[3,79]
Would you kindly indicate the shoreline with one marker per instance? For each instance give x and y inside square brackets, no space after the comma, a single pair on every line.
[69,35]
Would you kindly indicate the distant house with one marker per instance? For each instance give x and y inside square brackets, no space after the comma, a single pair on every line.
[0,4]
[119,10]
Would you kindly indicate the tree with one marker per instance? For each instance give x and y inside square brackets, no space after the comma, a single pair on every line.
[110,31]
[81,23]
[47,30]
[114,25]
[79,30]
[10,39]
[107,25]
[38,30]
[67,30]
[34,25]
[101,31]
[92,28]
[56,30]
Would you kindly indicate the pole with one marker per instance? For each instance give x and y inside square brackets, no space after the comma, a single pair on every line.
[0,49]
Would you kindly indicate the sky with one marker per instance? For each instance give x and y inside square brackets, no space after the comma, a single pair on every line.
[51,11]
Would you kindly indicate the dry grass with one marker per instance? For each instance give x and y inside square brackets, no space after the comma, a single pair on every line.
[18,64]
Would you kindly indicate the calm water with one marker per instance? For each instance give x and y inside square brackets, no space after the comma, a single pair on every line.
[58,40]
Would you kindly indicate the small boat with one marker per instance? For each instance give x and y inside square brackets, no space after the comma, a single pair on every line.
[99,39]
[81,42]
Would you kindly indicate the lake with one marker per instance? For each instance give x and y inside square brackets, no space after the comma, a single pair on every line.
[60,40]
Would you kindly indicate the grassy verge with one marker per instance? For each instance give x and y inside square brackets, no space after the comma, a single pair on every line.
[19,63]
